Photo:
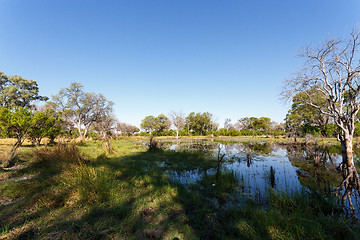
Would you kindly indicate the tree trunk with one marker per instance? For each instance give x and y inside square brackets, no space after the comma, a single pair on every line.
[37,142]
[86,129]
[11,161]
[351,180]
[177,134]
[107,145]
[347,151]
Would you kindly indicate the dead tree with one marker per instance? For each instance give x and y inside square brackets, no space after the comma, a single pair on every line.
[333,70]
[220,158]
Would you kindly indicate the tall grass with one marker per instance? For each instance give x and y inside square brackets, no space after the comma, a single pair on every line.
[86,184]
[92,186]
[80,193]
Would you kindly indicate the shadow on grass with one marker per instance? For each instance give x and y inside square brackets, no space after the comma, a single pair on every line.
[127,198]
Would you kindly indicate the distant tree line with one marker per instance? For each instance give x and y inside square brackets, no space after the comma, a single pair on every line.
[72,112]
[200,124]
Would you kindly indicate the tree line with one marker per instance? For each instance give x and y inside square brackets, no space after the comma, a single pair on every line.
[199,124]
[72,112]
[75,113]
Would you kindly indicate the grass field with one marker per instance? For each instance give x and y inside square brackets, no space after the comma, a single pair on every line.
[79,192]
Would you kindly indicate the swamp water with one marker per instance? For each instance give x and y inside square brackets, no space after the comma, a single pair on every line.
[251,169]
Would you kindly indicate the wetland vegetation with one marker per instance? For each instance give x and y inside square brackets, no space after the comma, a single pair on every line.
[174,192]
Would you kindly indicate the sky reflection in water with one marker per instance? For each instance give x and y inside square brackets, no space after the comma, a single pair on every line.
[294,167]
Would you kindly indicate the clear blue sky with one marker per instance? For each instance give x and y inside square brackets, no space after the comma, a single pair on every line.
[150,57]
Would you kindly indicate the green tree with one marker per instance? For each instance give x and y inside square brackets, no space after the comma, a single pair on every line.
[149,124]
[163,123]
[260,124]
[293,123]
[45,124]
[199,122]
[16,91]
[15,123]
[307,118]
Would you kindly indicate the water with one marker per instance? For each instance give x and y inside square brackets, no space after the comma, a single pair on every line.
[292,167]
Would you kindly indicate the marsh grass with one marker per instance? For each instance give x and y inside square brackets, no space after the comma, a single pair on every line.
[79,192]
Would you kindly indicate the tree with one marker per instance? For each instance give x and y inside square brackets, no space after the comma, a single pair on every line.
[293,122]
[178,120]
[302,117]
[227,124]
[15,123]
[16,91]
[80,108]
[149,124]
[160,123]
[163,124]
[105,127]
[260,124]
[332,70]
[126,129]
[243,124]
[200,122]
[46,123]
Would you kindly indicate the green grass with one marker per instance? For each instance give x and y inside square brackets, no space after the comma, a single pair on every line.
[82,193]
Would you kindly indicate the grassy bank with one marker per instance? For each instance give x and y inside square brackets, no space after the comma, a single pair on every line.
[68,192]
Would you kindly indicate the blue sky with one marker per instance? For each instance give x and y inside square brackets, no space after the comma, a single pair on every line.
[150,57]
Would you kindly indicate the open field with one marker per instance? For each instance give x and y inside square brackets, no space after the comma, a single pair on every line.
[79,192]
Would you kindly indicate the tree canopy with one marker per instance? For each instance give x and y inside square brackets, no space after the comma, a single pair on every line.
[16,91]
[199,122]
[81,109]
[303,118]
[160,123]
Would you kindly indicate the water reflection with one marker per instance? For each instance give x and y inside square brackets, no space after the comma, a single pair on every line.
[259,166]
[316,166]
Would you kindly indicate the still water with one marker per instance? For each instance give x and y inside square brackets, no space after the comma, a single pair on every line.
[263,165]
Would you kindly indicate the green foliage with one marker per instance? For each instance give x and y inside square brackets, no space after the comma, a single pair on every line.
[45,124]
[15,122]
[260,124]
[357,128]
[149,123]
[164,123]
[304,119]
[16,91]
[160,123]
[144,134]
[199,123]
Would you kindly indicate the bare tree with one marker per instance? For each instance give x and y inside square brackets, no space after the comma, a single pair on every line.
[228,125]
[126,129]
[333,70]
[178,120]
[80,108]
[105,127]
[243,123]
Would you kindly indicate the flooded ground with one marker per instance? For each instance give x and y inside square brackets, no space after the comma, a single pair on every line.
[264,165]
